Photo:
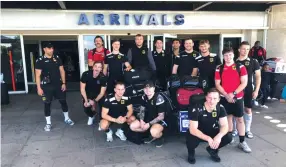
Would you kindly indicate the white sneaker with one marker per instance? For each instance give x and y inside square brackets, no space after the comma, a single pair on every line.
[48,127]
[264,106]
[90,120]
[69,122]
[274,98]
[256,103]
[99,128]
[269,98]
[109,137]
[234,133]
[244,147]
[119,133]
[232,141]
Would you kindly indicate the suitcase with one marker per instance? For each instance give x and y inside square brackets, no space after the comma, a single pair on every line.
[279,77]
[189,81]
[137,76]
[283,96]
[183,121]
[174,82]
[198,99]
[277,92]
[184,94]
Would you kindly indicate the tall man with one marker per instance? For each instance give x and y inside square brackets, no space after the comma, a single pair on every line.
[176,50]
[257,52]
[140,56]
[114,62]
[230,80]
[253,68]
[163,63]
[207,63]
[185,63]
[51,82]
[98,53]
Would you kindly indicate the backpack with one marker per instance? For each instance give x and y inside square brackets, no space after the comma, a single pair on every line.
[166,96]
[237,66]
[184,95]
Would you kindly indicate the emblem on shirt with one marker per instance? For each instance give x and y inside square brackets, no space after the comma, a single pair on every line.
[119,56]
[214,114]
[98,82]
[211,59]
[102,54]
[143,52]
[122,101]
[194,55]
[44,98]
[54,60]
[247,63]
[163,54]
[233,67]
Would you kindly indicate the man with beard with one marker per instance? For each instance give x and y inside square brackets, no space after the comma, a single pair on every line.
[92,88]
[207,63]
[51,82]
[185,63]
[176,50]
[98,53]
[114,63]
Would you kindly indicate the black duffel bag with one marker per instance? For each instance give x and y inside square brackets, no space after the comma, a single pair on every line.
[190,81]
[137,76]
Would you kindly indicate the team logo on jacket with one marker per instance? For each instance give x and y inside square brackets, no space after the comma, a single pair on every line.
[194,55]
[122,101]
[247,63]
[211,59]
[214,114]
[233,67]
[143,52]
[119,56]
[54,60]
[163,54]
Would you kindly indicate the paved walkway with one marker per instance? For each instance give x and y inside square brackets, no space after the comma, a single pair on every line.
[25,144]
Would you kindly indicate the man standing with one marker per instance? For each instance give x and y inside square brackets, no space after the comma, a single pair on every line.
[116,109]
[257,52]
[207,63]
[163,63]
[98,53]
[114,62]
[252,67]
[140,56]
[185,63]
[176,50]
[208,122]
[51,82]
[230,80]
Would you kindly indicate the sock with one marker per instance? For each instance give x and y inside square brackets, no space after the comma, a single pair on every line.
[66,114]
[248,121]
[48,119]
[241,139]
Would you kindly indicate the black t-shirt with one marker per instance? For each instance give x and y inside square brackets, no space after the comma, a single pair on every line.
[93,85]
[208,64]
[207,121]
[153,106]
[186,62]
[163,62]
[251,66]
[50,69]
[116,108]
[115,64]
[140,57]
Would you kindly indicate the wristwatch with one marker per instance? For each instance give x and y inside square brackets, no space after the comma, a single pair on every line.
[234,93]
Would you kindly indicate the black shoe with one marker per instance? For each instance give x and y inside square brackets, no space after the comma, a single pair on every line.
[148,140]
[214,154]
[159,142]
[191,159]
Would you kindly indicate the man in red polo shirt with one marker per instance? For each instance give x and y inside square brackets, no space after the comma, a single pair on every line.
[230,80]
[98,53]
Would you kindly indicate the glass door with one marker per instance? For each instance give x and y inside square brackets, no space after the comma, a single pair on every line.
[230,41]
[167,41]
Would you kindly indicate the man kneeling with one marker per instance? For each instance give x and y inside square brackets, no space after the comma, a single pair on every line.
[153,119]
[208,122]
[116,109]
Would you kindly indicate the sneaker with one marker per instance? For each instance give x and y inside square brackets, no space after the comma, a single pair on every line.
[264,106]
[69,122]
[109,137]
[234,133]
[191,158]
[99,128]
[274,98]
[148,140]
[48,127]
[249,135]
[244,147]
[90,120]
[214,154]
[256,103]
[119,133]
[269,98]
[159,142]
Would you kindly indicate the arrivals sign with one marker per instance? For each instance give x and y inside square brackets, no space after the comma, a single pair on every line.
[128,19]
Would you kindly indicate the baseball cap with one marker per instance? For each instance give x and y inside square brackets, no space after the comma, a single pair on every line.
[47,45]
[149,84]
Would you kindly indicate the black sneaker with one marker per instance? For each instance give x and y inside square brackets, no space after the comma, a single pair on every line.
[214,154]
[191,158]
[149,140]
[159,142]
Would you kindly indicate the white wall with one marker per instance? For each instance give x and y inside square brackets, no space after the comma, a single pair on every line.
[20,19]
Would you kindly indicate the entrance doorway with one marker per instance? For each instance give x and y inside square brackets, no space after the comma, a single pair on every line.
[66,47]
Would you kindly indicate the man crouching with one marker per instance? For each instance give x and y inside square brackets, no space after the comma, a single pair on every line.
[116,109]
[153,119]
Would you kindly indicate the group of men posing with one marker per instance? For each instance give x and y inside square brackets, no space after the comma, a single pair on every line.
[230,91]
